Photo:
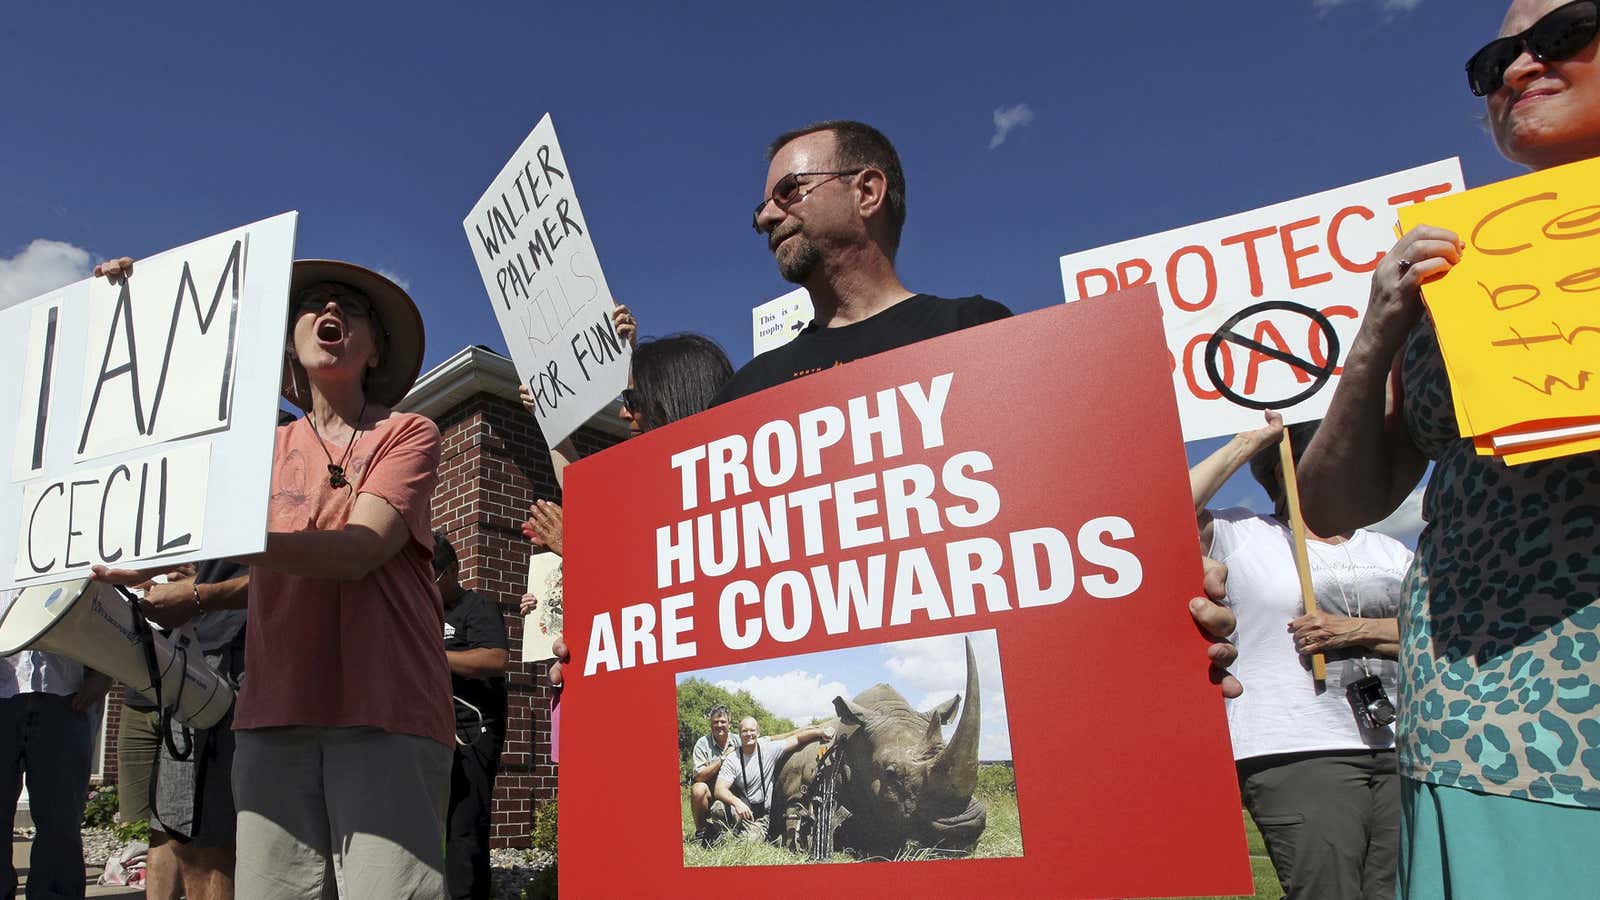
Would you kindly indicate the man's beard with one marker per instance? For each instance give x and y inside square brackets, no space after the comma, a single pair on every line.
[797,265]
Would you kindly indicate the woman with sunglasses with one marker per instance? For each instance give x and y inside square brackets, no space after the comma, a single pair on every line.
[1499,730]
[344,727]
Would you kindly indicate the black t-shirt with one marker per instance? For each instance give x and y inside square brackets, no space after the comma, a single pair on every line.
[814,349]
[471,623]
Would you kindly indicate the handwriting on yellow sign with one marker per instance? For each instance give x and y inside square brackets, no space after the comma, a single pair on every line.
[1519,317]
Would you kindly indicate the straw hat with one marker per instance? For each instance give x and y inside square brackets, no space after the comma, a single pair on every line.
[400,360]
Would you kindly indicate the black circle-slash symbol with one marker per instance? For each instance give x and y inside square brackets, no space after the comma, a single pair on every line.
[1320,374]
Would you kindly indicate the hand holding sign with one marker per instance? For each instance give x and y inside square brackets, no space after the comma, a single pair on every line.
[115,269]
[1395,303]
[1515,318]
[538,263]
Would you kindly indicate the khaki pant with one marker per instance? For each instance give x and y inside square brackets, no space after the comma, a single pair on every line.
[1330,820]
[347,812]
[138,746]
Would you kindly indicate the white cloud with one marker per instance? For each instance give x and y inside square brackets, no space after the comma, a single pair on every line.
[1388,6]
[938,665]
[934,670]
[397,278]
[1007,118]
[798,695]
[1405,523]
[43,265]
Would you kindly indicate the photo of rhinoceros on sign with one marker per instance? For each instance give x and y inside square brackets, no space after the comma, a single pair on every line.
[782,764]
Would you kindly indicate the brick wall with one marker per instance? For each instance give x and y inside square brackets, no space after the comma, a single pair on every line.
[493,464]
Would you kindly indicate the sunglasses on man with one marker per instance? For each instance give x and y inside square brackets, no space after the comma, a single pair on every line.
[1559,34]
[788,191]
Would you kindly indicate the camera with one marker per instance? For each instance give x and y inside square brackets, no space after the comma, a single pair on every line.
[1370,702]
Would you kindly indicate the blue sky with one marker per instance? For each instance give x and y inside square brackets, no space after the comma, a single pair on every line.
[129,132]
[927,672]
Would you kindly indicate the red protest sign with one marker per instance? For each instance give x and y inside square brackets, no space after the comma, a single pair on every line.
[1022,483]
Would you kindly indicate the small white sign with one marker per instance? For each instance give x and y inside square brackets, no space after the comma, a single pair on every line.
[132,397]
[1262,295]
[776,322]
[538,263]
[541,627]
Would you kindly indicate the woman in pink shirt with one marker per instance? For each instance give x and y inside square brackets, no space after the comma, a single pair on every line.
[344,725]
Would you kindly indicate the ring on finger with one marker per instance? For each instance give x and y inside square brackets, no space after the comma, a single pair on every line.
[1405,266]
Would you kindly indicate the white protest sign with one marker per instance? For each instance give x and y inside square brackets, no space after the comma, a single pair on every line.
[777,321]
[1264,295]
[141,426]
[538,264]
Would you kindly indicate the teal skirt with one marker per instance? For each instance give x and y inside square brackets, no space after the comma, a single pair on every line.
[1462,845]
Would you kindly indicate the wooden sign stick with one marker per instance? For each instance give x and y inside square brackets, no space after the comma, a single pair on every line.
[1302,559]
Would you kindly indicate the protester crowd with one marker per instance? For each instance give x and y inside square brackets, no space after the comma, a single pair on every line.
[1454,751]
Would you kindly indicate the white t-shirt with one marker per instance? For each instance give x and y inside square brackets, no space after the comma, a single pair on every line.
[1280,711]
[750,774]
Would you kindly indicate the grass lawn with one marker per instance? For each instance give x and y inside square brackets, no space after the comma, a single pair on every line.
[1003,837]
[1260,866]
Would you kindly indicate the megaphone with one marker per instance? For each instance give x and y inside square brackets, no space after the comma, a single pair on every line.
[90,622]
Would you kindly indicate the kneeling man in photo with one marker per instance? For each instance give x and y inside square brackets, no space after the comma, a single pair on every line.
[745,781]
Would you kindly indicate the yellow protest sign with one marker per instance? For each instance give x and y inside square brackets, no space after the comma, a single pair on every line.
[1519,317]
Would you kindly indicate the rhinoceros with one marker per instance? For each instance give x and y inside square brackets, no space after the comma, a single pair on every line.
[899,781]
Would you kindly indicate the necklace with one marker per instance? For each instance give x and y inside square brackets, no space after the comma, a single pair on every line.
[336,476]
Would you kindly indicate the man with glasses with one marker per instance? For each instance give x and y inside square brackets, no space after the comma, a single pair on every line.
[834,206]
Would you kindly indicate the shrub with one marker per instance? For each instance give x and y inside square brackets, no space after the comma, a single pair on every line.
[128,832]
[544,826]
[101,810]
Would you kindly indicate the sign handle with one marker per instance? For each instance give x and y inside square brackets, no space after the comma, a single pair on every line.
[1302,558]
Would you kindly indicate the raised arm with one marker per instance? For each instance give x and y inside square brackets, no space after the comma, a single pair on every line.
[1362,464]
[1208,475]
[806,736]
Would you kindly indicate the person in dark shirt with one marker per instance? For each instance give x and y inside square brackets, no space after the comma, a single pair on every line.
[475,644]
[834,206]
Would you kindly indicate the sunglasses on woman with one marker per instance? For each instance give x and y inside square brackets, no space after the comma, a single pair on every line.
[1559,34]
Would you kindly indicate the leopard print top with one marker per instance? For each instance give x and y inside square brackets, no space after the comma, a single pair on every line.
[1500,632]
